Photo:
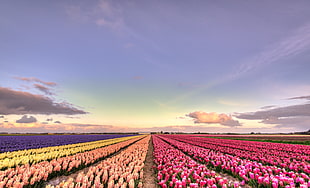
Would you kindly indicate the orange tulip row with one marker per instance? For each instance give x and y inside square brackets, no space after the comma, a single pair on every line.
[120,171]
[34,175]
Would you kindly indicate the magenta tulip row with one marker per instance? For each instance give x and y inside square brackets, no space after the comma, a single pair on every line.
[252,172]
[175,169]
[120,171]
[288,156]
[36,174]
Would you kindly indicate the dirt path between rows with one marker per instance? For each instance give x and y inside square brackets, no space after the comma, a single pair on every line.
[149,173]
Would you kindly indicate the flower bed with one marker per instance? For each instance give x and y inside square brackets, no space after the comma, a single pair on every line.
[120,171]
[36,174]
[253,172]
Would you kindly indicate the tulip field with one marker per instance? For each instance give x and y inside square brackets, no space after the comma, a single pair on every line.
[178,161]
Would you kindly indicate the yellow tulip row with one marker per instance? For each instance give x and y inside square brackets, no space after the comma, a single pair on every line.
[32,156]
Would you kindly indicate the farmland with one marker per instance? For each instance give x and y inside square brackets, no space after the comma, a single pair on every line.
[159,160]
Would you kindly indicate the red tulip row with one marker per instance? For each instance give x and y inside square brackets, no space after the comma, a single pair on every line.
[120,171]
[263,145]
[175,169]
[34,175]
[252,172]
[288,156]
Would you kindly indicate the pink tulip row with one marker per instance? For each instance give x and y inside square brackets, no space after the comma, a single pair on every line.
[268,145]
[120,171]
[36,174]
[291,151]
[175,169]
[289,156]
[252,172]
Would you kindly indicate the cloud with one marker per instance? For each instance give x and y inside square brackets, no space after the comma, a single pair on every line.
[26,119]
[212,129]
[104,14]
[109,14]
[88,125]
[32,79]
[39,84]
[57,122]
[51,119]
[268,107]
[1,116]
[293,116]
[296,123]
[212,117]
[95,128]
[280,112]
[19,102]
[44,127]
[301,97]
[290,46]
[44,89]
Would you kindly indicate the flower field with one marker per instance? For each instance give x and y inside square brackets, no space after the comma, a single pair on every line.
[193,161]
[257,164]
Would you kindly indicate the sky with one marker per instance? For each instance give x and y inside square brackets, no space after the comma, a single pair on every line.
[184,66]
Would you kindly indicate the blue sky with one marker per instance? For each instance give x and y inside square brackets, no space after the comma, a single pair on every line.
[206,66]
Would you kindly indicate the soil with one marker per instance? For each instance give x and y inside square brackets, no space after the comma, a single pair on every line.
[149,173]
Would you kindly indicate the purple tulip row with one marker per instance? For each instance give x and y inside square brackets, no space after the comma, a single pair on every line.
[175,169]
[252,172]
[14,143]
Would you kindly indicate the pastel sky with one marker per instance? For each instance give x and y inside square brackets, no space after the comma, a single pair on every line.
[114,66]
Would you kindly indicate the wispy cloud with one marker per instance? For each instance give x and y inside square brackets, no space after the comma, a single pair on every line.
[105,13]
[137,77]
[32,79]
[298,42]
[268,107]
[211,129]
[300,97]
[19,102]
[290,46]
[44,89]
[43,86]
